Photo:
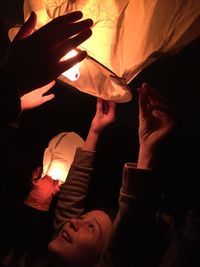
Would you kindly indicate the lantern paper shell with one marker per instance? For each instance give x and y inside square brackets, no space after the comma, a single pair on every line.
[59,154]
[128,35]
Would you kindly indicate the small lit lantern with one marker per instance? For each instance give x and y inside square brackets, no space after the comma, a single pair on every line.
[59,155]
[128,35]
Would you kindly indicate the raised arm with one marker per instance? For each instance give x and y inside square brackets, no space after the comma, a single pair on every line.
[132,236]
[74,191]
[155,123]
[34,58]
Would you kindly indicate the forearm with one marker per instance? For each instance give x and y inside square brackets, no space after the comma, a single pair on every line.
[91,141]
[74,191]
[145,159]
[132,226]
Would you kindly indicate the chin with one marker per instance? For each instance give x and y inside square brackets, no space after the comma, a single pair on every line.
[53,247]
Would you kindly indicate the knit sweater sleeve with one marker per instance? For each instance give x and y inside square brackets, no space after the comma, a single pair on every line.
[137,202]
[74,191]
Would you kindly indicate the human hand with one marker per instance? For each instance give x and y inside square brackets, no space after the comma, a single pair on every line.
[33,59]
[42,192]
[36,97]
[105,115]
[155,120]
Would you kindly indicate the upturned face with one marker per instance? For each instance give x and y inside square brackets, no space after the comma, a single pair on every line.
[81,240]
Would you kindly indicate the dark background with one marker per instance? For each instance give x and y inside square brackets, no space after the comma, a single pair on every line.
[176,77]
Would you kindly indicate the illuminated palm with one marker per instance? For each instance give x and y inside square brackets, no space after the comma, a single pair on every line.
[36,97]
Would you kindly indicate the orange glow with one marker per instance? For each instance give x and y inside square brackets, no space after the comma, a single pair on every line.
[59,154]
[73,73]
[57,171]
[127,36]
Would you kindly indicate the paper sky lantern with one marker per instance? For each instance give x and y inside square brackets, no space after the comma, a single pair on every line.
[128,35]
[59,155]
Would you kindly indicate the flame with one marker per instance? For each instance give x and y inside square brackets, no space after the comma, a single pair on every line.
[73,73]
[57,171]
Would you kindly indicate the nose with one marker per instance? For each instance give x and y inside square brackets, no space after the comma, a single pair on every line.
[73,224]
[77,224]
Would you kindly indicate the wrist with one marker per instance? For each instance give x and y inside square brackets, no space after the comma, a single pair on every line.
[91,141]
[145,159]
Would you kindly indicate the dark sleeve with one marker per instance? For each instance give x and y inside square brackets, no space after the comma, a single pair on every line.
[74,191]
[10,104]
[132,227]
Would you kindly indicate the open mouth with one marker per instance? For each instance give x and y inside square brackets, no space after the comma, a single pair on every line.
[66,236]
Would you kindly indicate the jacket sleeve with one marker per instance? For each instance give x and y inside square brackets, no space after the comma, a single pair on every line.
[132,226]
[74,191]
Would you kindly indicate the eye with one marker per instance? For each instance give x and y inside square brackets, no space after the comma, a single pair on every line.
[91,228]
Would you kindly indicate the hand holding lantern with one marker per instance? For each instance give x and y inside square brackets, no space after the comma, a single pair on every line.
[33,59]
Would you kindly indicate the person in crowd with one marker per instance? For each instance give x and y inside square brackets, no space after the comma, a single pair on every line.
[133,241]
[27,73]
[34,58]
[45,188]
[89,239]
[184,238]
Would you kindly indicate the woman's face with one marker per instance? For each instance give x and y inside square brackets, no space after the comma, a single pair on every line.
[81,240]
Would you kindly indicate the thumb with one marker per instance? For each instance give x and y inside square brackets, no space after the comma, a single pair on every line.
[143,103]
[47,98]
[27,28]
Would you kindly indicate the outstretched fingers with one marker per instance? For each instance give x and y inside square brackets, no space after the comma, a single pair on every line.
[72,43]
[111,109]
[155,97]
[62,34]
[143,103]
[59,24]
[27,28]
[67,64]
[47,87]
[99,106]
[156,102]
[47,98]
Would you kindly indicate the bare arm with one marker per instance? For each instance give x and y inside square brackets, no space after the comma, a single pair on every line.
[132,239]
[74,191]
[105,114]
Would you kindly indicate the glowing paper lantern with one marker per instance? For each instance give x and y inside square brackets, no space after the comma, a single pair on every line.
[128,35]
[59,155]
